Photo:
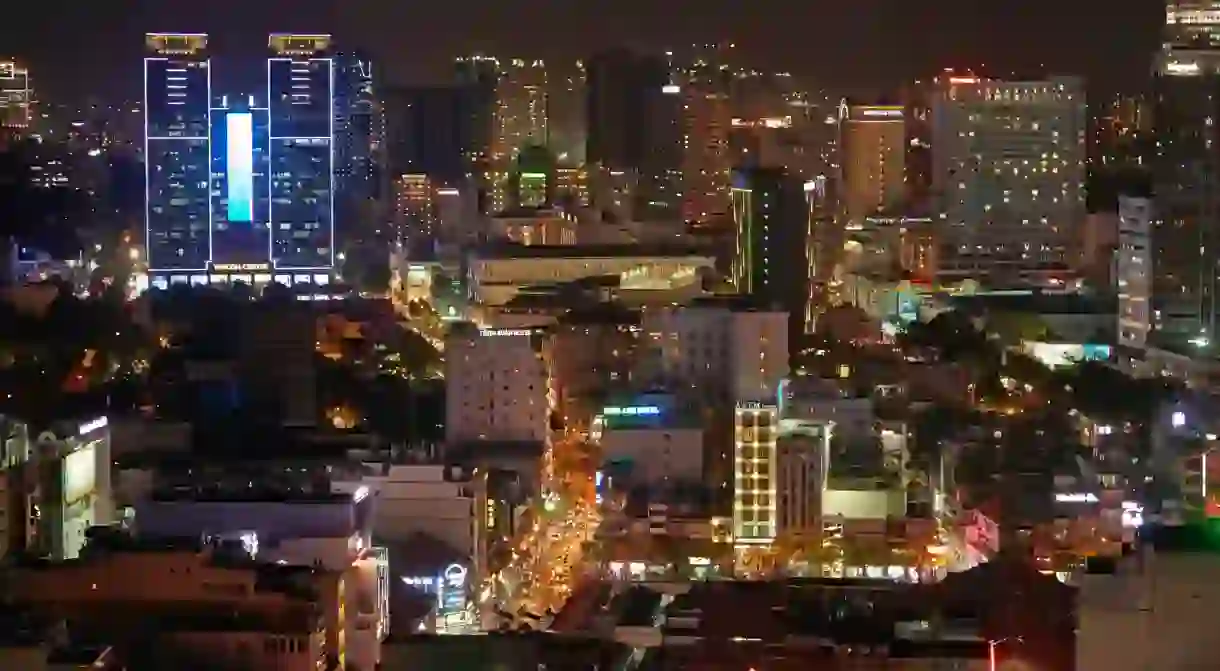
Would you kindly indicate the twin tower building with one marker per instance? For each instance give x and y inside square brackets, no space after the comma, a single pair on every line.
[244,185]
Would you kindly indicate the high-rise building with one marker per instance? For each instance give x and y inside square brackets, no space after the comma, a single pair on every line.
[1008,172]
[772,217]
[705,164]
[427,132]
[634,144]
[415,220]
[301,99]
[239,186]
[359,147]
[177,153]
[1186,170]
[1133,272]
[706,79]
[16,97]
[507,111]
[872,149]
[566,112]
[478,77]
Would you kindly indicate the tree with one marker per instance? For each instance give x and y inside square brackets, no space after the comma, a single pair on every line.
[1012,328]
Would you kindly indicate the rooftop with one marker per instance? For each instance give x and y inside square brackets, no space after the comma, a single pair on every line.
[500,250]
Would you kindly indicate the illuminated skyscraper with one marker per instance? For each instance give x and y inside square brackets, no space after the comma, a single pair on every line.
[16,96]
[772,214]
[177,153]
[872,146]
[1008,171]
[707,119]
[301,95]
[1186,171]
[566,112]
[359,147]
[239,186]
[519,119]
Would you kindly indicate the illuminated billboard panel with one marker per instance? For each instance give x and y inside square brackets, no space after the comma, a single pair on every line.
[239,156]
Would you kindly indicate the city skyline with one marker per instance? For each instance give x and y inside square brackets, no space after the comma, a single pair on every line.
[869,48]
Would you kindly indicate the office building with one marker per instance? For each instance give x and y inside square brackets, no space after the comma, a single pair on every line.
[177,152]
[1186,171]
[428,131]
[634,148]
[721,348]
[872,149]
[705,84]
[414,216]
[771,213]
[16,97]
[521,108]
[566,111]
[705,159]
[1008,173]
[1133,271]
[359,139]
[239,186]
[499,383]
[478,78]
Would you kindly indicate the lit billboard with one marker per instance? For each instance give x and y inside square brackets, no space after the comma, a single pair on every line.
[239,155]
[80,474]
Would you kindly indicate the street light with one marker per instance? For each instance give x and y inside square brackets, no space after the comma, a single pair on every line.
[991,646]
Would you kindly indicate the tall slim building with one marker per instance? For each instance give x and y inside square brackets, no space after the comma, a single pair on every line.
[477,77]
[239,186]
[177,153]
[1133,270]
[1186,171]
[520,121]
[359,146]
[771,212]
[1008,171]
[16,97]
[301,129]
[705,158]
[872,148]
[566,112]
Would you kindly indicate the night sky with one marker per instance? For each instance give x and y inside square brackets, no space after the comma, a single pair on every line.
[78,48]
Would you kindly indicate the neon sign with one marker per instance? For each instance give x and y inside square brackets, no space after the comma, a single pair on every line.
[505,332]
[632,411]
[1183,69]
[1086,497]
[90,427]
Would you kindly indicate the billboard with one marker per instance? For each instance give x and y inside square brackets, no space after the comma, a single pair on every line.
[80,474]
[239,155]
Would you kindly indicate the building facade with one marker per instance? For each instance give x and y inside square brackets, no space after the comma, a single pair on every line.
[872,147]
[499,383]
[16,97]
[1186,169]
[1008,170]
[239,186]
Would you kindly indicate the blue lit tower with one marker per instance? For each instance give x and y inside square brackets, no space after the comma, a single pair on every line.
[177,110]
[301,120]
